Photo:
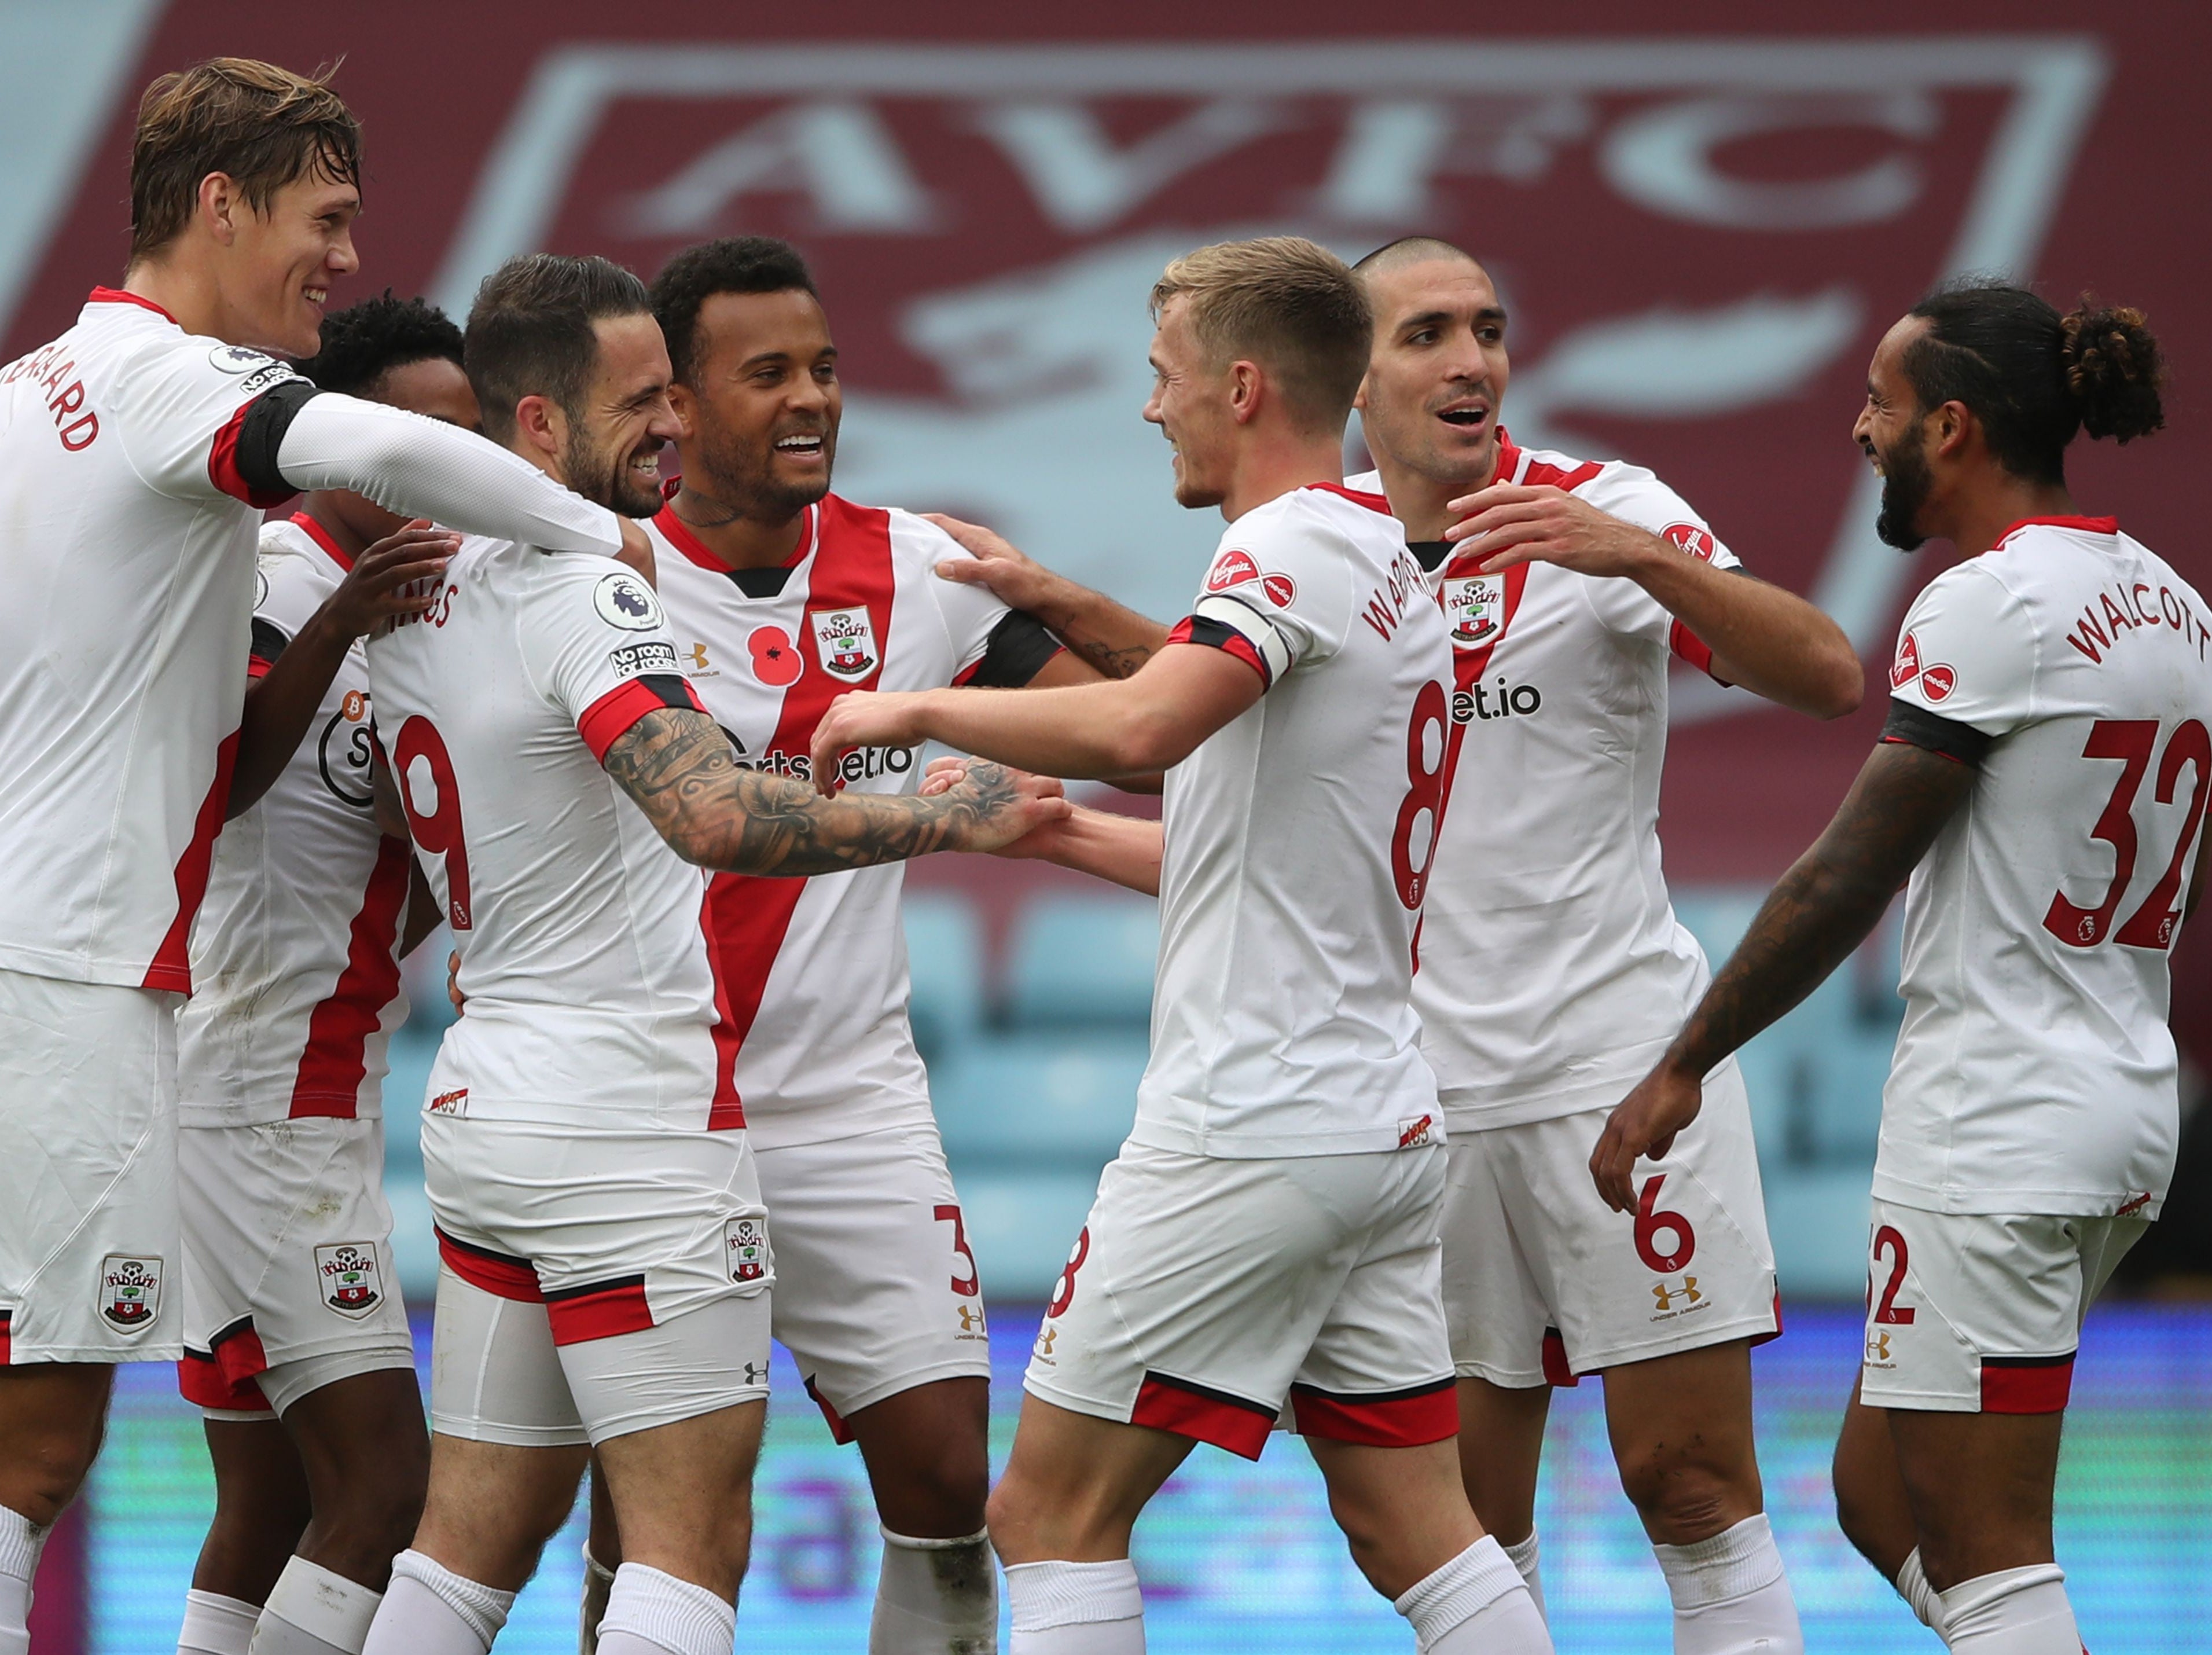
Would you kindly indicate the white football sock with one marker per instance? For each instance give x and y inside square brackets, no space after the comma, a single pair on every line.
[2011,1612]
[1075,1609]
[1731,1596]
[216,1625]
[1523,1555]
[598,1581]
[21,1542]
[427,1609]
[313,1610]
[1912,1586]
[1476,1604]
[936,1597]
[651,1613]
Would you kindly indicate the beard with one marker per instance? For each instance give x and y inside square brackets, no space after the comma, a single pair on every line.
[741,476]
[1905,485]
[607,479]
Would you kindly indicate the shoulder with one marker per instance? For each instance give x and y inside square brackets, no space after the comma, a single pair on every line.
[918,545]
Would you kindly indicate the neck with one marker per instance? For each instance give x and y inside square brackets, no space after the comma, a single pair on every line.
[1422,502]
[190,296]
[328,508]
[1979,522]
[737,540]
[1270,470]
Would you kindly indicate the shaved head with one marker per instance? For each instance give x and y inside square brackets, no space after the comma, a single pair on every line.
[1411,250]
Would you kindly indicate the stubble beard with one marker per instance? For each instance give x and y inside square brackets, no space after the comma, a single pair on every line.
[1905,486]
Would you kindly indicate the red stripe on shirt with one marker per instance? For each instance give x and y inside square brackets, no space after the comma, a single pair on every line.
[607,720]
[172,966]
[314,531]
[750,914]
[336,1060]
[681,535]
[222,465]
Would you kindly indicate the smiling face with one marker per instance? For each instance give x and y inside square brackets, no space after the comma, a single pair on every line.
[760,426]
[1191,404]
[277,267]
[1891,430]
[1437,374]
[611,447]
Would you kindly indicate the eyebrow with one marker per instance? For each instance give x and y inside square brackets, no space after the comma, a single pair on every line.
[1431,318]
[763,358]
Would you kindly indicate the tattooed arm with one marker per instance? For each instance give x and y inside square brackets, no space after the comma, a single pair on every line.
[1823,908]
[678,766]
[1114,641]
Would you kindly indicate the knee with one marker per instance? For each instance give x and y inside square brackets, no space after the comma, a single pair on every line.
[1683,1499]
[942,1497]
[51,1466]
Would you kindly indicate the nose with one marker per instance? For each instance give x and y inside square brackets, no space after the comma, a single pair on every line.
[1862,427]
[343,259]
[661,423]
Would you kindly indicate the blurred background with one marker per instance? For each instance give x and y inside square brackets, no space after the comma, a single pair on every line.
[1701,225]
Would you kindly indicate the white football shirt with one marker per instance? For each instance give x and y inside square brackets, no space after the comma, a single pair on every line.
[127,550]
[1299,837]
[584,956]
[295,957]
[1553,970]
[2035,1072]
[816,969]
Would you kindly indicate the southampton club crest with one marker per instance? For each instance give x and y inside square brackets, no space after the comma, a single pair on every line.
[745,1241]
[844,642]
[1475,608]
[130,1291]
[351,1283]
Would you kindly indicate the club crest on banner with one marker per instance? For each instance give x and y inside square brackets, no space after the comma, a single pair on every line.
[1475,608]
[844,642]
[129,1291]
[351,1283]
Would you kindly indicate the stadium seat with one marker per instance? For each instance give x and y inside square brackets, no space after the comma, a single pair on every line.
[1060,1102]
[1078,960]
[1020,1225]
[944,958]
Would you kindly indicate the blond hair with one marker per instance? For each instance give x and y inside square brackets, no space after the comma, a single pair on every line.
[260,125]
[1286,303]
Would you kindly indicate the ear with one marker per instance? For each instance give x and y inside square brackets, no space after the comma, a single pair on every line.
[1247,386]
[542,426]
[1954,425]
[1360,396]
[687,409]
[220,206]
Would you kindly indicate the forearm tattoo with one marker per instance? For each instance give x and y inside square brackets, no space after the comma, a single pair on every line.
[1829,901]
[679,768]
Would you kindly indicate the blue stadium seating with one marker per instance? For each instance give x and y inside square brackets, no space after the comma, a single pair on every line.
[1087,959]
[1062,1101]
[944,958]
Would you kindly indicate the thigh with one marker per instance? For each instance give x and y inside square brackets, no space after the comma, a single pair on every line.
[495,1375]
[1500,1327]
[682,1493]
[1195,1290]
[877,1291]
[1980,1487]
[88,1235]
[1691,1268]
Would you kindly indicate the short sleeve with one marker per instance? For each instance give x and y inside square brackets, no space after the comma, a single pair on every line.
[1635,495]
[971,612]
[186,410]
[1966,652]
[1278,596]
[286,592]
[598,647]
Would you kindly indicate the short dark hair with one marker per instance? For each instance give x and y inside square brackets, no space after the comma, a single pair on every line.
[2031,377]
[530,331]
[1413,250]
[261,125]
[1287,303]
[364,342]
[736,264]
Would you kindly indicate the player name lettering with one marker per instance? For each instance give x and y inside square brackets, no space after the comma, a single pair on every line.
[2121,609]
[75,423]
[1486,702]
[1386,605]
[440,610]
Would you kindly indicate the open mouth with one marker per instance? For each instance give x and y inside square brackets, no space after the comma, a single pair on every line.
[646,463]
[317,296]
[801,446]
[1469,418]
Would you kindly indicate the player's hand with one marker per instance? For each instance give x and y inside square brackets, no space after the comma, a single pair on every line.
[1015,580]
[863,717]
[454,982]
[374,591]
[1003,806]
[1645,1123]
[1042,842]
[1508,523]
[636,552]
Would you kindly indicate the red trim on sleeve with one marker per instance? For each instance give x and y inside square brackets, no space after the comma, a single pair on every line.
[107,295]
[2026,1384]
[335,1058]
[1165,1404]
[607,720]
[1556,1370]
[1899,741]
[1374,502]
[840,1432]
[497,1273]
[172,966]
[222,465]
[2086,525]
[1404,1419]
[314,531]
[603,1309]
[257,668]
[1232,642]
[1691,647]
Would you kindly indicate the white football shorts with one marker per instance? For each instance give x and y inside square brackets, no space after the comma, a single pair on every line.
[1543,1282]
[287,1277]
[876,1289]
[1968,1313]
[1204,1293]
[88,1172]
[593,1283]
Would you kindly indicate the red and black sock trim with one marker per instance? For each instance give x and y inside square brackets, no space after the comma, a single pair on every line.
[1411,1418]
[1190,1410]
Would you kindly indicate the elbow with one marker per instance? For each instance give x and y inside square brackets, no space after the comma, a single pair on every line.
[1842,685]
[1147,742]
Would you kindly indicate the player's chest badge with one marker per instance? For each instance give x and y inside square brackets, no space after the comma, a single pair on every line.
[1474,609]
[352,1285]
[844,642]
[129,1291]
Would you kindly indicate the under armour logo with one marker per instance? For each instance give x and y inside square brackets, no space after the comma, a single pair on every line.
[1667,1295]
[1045,1341]
[971,1317]
[756,1372]
[699,656]
[1877,1348]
